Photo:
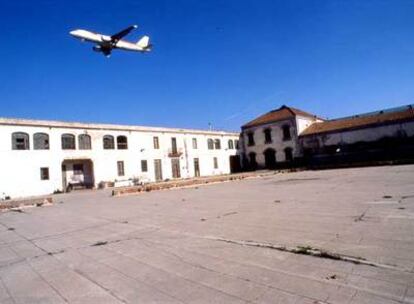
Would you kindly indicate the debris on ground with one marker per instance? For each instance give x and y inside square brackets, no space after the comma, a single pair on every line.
[19,210]
[387,196]
[16,205]
[100,243]
[226,214]
[332,277]
[11,228]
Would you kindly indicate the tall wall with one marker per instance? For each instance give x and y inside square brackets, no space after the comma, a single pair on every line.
[20,174]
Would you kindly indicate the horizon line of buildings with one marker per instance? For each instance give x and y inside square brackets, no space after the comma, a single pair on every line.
[41,157]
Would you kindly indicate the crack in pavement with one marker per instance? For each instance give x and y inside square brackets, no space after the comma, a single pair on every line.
[310,251]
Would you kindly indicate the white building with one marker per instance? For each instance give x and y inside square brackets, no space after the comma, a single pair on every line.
[40,157]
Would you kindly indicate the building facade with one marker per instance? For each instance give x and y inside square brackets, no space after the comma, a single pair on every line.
[382,135]
[42,157]
[271,140]
[287,137]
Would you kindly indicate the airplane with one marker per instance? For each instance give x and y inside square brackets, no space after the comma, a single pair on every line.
[105,44]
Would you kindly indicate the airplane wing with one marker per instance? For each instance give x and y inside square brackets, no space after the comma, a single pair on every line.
[123,33]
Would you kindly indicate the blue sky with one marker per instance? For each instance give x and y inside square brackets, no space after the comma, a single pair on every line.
[223,62]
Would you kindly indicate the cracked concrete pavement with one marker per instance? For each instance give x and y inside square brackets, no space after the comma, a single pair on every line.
[167,246]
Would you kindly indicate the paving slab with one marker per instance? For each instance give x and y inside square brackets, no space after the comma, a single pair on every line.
[244,241]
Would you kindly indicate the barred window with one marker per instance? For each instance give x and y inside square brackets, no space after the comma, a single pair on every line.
[41,141]
[217,144]
[144,165]
[108,142]
[230,143]
[122,142]
[44,173]
[20,141]
[84,142]
[210,144]
[156,142]
[68,142]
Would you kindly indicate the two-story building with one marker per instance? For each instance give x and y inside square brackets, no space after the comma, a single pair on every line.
[41,157]
[271,139]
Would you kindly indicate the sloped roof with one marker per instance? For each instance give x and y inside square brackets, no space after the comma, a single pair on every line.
[360,121]
[284,112]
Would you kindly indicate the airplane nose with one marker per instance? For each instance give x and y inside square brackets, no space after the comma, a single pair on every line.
[73,33]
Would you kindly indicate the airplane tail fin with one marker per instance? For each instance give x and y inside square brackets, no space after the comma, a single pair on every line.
[144,43]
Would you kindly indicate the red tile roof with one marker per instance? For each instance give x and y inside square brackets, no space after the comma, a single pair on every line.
[361,121]
[284,112]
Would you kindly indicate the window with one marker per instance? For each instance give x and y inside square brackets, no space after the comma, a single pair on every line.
[41,141]
[68,142]
[156,142]
[44,173]
[210,144]
[108,142]
[215,161]
[20,141]
[122,142]
[120,166]
[84,142]
[288,154]
[231,146]
[236,143]
[286,132]
[250,139]
[144,165]
[268,135]
[217,144]
[194,143]
[174,145]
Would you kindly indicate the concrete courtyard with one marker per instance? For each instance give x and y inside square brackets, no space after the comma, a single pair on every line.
[235,242]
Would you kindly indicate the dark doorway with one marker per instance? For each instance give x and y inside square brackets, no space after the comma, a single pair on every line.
[288,154]
[158,169]
[235,165]
[270,158]
[252,161]
[196,167]
[175,165]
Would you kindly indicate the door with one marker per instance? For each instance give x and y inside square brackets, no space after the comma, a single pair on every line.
[175,165]
[196,167]
[235,164]
[158,169]
[270,158]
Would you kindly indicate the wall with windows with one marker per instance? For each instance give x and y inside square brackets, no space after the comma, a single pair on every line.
[266,145]
[24,150]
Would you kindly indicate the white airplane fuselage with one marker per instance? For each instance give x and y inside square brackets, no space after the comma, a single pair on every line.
[105,41]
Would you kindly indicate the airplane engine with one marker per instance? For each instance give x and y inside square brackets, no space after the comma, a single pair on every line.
[97,48]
